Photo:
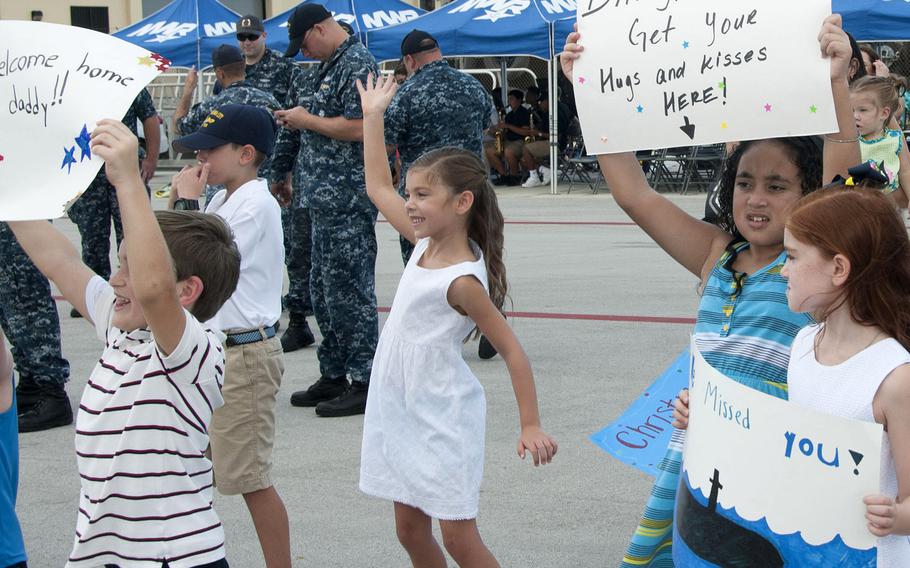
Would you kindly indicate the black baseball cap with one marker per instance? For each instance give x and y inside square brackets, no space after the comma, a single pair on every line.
[250,24]
[233,123]
[225,54]
[417,41]
[304,17]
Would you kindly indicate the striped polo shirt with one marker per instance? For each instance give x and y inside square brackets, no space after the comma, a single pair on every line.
[141,435]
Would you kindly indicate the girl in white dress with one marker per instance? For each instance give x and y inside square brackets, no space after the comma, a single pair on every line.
[848,264]
[423,433]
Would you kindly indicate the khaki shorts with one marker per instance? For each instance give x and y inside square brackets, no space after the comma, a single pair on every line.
[242,431]
[515,147]
[539,150]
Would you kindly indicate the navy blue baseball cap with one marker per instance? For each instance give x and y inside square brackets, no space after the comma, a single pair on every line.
[233,123]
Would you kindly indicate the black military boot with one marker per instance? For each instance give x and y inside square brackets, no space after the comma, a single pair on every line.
[326,388]
[27,394]
[297,336]
[352,401]
[485,349]
[53,409]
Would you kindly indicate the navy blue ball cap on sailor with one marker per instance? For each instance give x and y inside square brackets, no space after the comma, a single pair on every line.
[225,54]
[417,41]
[233,123]
[304,17]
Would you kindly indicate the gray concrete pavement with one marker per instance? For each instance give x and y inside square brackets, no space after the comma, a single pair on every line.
[577,512]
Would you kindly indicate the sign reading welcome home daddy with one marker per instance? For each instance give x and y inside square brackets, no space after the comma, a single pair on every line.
[57,82]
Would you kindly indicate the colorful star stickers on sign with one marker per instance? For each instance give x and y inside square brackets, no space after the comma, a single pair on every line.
[68,159]
[685,45]
[146,61]
[813,109]
[83,141]
[721,85]
[581,80]
[640,109]
[767,107]
[723,125]
[163,63]
[1,157]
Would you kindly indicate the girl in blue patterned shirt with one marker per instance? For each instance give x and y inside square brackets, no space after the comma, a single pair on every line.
[744,327]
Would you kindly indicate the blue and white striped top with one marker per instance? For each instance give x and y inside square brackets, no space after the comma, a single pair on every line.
[747,334]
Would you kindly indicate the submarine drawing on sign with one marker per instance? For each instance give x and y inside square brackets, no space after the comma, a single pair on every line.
[719,540]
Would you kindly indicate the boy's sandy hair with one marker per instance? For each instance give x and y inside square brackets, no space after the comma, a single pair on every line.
[202,245]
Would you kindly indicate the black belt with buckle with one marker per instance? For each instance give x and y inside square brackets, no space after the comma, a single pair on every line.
[251,336]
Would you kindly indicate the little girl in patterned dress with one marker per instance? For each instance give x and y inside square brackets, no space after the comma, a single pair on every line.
[423,433]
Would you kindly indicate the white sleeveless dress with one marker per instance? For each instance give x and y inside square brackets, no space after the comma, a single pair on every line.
[423,433]
[847,390]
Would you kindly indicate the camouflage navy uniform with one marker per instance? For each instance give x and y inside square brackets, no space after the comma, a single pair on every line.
[240,92]
[437,106]
[97,206]
[274,74]
[342,277]
[28,315]
[295,217]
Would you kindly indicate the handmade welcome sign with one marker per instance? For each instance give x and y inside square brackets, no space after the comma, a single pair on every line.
[56,82]
[666,73]
[768,483]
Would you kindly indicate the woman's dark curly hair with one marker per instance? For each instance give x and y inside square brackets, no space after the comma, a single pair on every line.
[806,153]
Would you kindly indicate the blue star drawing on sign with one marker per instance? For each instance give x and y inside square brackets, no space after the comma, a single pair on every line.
[685,45]
[640,109]
[68,159]
[83,142]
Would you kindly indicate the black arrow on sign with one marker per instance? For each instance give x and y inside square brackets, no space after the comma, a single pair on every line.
[689,129]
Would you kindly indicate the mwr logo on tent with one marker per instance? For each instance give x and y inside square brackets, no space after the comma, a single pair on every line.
[377,19]
[165,31]
[493,9]
[382,18]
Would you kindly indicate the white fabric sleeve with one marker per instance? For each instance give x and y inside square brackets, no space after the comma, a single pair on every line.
[99,303]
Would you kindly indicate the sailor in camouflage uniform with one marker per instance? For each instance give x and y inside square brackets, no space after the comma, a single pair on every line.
[230,72]
[437,106]
[97,206]
[330,166]
[296,218]
[266,69]
[28,316]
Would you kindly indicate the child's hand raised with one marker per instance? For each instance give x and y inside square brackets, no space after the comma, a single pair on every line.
[541,446]
[119,149]
[376,97]
[681,410]
[881,511]
[835,45]
[570,52]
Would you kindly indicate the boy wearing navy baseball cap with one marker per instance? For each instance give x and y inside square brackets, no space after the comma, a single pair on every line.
[231,144]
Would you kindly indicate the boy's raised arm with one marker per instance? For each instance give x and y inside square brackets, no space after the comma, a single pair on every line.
[56,257]
[149,267]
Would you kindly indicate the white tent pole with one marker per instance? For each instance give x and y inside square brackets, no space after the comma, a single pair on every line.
[553,115]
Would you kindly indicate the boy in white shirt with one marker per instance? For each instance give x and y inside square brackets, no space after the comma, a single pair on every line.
[231,144]
[142,425]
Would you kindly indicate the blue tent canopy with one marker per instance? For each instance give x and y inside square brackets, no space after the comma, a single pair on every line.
[482,27]
[362,15]
[176,31]
[875,20]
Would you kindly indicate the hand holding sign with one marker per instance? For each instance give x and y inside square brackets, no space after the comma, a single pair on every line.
[657,73]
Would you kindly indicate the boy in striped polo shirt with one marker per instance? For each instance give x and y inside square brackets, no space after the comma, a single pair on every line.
[142,425]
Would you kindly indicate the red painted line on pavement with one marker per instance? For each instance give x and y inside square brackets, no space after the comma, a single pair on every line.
[561,316]
[593,317]
[601,223]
